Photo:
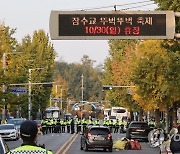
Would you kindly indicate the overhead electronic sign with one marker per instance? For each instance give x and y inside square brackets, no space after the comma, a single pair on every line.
[73,25]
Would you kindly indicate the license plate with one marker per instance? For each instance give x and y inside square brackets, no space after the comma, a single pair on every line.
[140,130]
[99,138]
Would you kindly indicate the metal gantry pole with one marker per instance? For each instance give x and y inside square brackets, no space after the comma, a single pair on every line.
[61,98]
[82,88]
[29,96]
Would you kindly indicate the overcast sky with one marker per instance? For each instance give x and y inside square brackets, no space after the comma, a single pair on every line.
[30,15]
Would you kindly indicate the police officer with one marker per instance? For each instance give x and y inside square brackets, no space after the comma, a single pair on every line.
[116,126]
[63,126]
[29,133]
[68,123]
[44,127]
[72,125]
[58,126]
[78,125]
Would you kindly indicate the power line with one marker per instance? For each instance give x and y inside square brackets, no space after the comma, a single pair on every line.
[102,7]
[137,6]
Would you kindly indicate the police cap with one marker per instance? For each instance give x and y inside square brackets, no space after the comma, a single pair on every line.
[28,129]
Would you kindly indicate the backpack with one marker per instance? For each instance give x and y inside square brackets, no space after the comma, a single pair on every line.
[120,145]
[135,145]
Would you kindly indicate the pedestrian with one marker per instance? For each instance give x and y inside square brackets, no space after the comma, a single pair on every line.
[175,142]
[29,134]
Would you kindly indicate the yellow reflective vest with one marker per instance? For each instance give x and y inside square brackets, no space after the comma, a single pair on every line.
[29,149]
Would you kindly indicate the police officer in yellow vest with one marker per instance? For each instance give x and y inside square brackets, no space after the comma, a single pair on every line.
[29,133]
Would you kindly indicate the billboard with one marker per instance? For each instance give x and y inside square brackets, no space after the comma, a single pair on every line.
[104,25]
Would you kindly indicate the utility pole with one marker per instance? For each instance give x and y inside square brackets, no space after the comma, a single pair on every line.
[82,88]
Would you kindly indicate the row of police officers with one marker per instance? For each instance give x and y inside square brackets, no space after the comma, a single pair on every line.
[76,125]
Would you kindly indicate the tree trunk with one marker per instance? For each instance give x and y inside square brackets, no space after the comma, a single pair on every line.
[167,119]
[157,118]
[141,115]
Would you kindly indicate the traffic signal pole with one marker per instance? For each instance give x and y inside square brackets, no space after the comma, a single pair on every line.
[177,14]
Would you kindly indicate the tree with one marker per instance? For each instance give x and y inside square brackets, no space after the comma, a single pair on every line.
[72,73]
[37,52]
[155,80]
[8,46]
[118,72]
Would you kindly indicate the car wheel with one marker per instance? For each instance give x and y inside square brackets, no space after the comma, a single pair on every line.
[104,149]
[81,148]
[85,147]
[128,135]
[110,149]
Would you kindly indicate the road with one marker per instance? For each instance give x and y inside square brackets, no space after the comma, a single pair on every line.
[70,144]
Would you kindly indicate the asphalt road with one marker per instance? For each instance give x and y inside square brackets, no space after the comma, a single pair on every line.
[70,144]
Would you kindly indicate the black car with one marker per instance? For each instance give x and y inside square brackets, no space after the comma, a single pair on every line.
[138,130]
[96,137]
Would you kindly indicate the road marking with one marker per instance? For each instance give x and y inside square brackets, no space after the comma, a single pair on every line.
[59,150]
[67,148]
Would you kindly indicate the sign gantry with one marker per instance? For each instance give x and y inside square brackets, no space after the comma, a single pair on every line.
[104,25]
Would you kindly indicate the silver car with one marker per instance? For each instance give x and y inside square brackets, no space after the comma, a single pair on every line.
[8,131]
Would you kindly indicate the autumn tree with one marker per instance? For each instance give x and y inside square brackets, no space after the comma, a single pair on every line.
[8,46]
[37,56]
[118,72]
[156,76]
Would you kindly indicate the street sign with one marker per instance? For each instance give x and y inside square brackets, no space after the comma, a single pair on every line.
[107,87]
[21,90]
[104,25]
[56,99]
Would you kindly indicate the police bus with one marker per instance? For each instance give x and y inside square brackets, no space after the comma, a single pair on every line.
[52,112]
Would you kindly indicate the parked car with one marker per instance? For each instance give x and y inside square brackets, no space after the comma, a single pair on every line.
[3,146]
[138,130]
[96,137]
[17,122]
[8,131]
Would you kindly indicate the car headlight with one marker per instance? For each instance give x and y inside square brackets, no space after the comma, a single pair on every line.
[13,132]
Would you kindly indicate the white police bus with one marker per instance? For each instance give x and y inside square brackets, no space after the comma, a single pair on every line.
[52,112]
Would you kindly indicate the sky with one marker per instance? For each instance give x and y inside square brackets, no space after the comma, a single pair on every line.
[30,15]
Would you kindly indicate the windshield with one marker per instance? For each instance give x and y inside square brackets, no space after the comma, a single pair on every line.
[139,125]
[15,121]
[112,117]
[98,131]
[6,127]
[119,110]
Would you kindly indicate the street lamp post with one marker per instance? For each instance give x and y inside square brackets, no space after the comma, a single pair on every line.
[29,93]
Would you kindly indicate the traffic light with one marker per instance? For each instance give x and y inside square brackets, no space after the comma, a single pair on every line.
[107,87]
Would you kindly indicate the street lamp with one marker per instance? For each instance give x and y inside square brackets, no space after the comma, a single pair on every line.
[29,93]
